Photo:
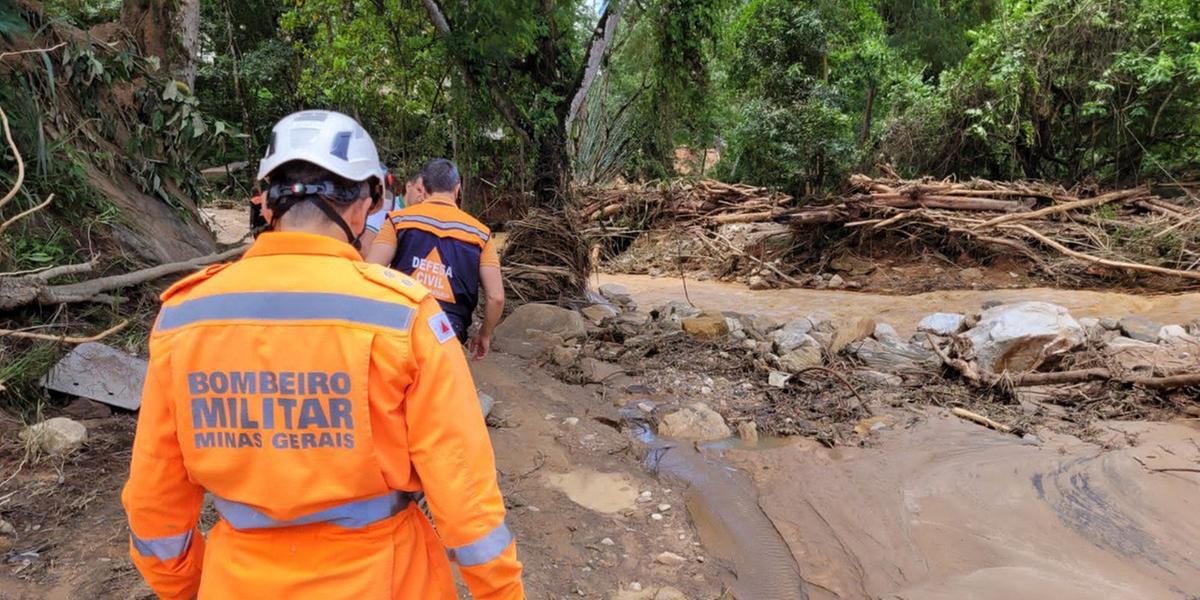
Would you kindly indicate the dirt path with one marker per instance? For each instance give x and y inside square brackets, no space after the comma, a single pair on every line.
[581,504]
[903,312]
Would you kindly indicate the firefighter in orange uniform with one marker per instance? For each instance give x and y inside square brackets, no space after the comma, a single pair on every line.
[314,396]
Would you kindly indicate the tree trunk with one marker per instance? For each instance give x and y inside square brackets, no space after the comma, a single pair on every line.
[865,134]
[168,30]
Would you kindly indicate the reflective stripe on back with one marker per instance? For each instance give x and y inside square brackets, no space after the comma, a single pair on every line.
[287,306]
[163,548]
[441,225]
[351,515]
[486,549]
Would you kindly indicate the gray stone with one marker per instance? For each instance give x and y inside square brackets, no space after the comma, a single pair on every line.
[758,282]
[778,379]
[791,335]
[6,528]
[883,331]
[58,436]
[564,356]
[808,354]
[852,265]
[1170,333]
[101,373]
[889,353]
[836,282]
[1019,337]
[670,559]
[535,329]
[676,308]
[486,404]
[1092,328]
[597,313]
[1139,328]
[1110,323]
[942,323]
[616,293]
[846,331]
[1145,359]
[878,378]
[695,422]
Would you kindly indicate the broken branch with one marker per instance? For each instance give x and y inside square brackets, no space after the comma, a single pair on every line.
[66,339]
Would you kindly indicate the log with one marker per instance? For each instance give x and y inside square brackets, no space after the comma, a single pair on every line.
[980,419]
[1100,261]
[946,202]
[1069,206]
[752,217]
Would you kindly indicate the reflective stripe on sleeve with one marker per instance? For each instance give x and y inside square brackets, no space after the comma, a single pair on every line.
[441,225]
[163,548]
[287,306]
[351,515]
[486,549]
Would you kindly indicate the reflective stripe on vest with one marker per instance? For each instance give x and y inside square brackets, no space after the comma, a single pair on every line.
[484,550]
[351,515]
[287,306]
[163,548]
[442,225]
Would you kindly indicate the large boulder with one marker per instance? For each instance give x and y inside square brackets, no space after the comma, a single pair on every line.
[1145,359]
[58,436]
[791,335]
[1021,336]
[890,354]
[849,330]
[532,329]
[696,422]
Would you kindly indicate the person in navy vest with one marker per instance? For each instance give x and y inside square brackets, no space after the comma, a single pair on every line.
[448,251]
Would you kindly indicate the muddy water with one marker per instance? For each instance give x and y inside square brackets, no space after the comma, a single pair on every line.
[903,312]
[945,510]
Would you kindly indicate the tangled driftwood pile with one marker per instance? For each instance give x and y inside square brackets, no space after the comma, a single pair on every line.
[1129,229]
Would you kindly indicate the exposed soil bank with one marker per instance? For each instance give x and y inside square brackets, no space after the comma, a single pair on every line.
[902,312]
[942,509]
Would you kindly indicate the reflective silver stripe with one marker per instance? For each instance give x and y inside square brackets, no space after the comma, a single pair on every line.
[287,306]
[441,225]
[351,515]
[163,548]
[486,549]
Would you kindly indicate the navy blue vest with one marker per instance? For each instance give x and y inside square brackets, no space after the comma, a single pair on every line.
[448,267]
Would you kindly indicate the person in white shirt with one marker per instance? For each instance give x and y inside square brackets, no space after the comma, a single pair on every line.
[414,193]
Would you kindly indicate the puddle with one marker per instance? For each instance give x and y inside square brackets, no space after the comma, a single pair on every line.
[602,492]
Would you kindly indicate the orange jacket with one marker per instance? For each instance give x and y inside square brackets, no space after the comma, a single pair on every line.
[311,394]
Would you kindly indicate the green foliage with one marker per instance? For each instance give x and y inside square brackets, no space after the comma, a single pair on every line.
[1105,89]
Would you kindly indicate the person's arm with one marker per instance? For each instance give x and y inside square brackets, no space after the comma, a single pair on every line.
[452,454]
[163,505]
[383,248]
[493,289]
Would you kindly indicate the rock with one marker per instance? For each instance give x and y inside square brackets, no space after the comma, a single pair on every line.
[854,285]
[758,282]
[564,356]
[836,282]
[83,409]
[646,407]
[733,324]
[58,436]
[616,293]
[778,379]
[513,334]
[748,431]
[6,528]
[607,542]
[942,323]
[101,373]
[1170,333]
[791,335]
[890,354]
[1019,337]
[670,559]
[696,422]
[1110,323]
[876,423]
[598,371]
[597,313]
[878,378]
[989,304]
[971,274]
[847,331]
[808,354]
[1144,358]
[883,331]
[571,421]
[706,326]
[676,308]
[486,404]
[1139,328]
[1092,329]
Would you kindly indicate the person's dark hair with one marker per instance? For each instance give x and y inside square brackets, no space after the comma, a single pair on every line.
[415,178]
[299,171]
[440,175]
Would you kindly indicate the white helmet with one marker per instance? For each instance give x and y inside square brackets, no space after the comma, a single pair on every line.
[328,139]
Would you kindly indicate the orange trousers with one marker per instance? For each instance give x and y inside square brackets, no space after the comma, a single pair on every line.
[399,558]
